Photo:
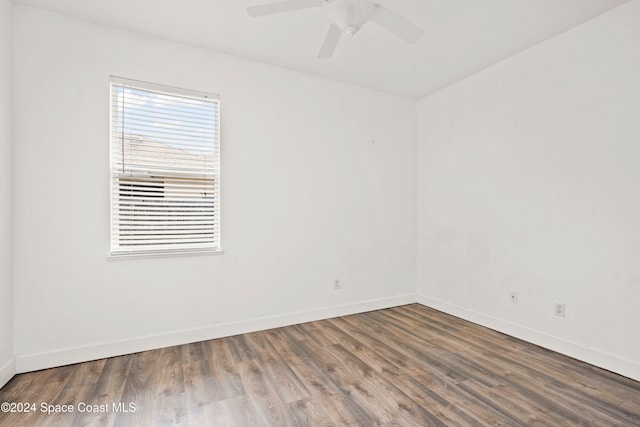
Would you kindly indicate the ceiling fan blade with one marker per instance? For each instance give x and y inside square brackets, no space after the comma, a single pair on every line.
[397,24]
[283,6]
[330,42]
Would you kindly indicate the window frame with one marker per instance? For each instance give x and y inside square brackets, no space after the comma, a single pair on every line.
[116,251]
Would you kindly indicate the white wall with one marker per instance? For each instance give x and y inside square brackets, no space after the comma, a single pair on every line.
[7,361]
[307,196]
[529,181]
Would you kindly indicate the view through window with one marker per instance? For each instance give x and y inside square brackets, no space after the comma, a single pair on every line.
[165,169]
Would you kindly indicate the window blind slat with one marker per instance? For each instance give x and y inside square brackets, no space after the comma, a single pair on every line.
[167,113]
[127,207]
[170,147]
[143,240]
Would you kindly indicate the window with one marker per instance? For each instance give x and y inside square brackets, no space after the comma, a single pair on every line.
[165,169]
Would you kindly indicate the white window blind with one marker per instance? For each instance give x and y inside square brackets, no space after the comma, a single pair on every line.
[165,169]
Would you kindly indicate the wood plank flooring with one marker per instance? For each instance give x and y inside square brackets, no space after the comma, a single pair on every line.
[404,366]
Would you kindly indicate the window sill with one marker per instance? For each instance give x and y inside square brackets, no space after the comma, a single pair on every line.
[143,255]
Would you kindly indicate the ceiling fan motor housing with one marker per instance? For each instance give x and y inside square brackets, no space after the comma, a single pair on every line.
[346,16]
[350,15]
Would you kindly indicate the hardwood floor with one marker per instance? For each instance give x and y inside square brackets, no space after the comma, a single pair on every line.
[404,366]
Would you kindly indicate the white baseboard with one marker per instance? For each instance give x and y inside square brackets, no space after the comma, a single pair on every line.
[61,357]
[7,371]
[598,358]
[67,356]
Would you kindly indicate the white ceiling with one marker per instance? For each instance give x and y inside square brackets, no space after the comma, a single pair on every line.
[461,36]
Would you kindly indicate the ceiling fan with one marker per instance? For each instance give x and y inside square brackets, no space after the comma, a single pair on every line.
[346,16]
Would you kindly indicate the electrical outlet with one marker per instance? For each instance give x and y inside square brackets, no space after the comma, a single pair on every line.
[336,284]
[559,309]
[513,297]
